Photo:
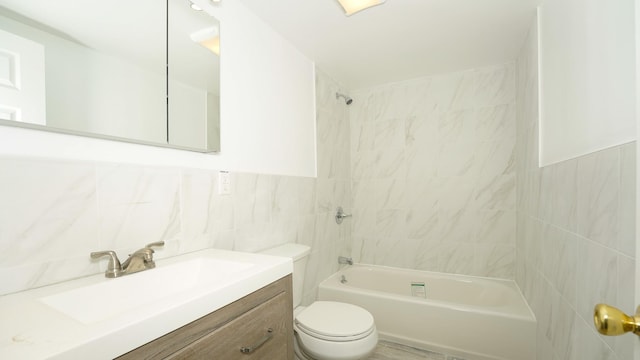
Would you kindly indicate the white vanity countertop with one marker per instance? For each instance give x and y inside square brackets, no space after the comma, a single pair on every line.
[30,328]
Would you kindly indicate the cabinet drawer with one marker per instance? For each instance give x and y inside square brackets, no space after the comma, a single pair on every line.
[247,331]
[262,303]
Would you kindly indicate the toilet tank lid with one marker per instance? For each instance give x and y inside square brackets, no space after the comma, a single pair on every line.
[293,251]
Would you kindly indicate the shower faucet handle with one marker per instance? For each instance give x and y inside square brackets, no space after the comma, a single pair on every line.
[340,215]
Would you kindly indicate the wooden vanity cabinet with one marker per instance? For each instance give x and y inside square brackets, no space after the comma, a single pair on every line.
[261,323]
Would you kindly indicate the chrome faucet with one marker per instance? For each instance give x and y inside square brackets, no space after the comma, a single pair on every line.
[341,215]
[345,260]
[140,260]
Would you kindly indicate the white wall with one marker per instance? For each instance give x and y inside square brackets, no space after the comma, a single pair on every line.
[587,62]
[267,110]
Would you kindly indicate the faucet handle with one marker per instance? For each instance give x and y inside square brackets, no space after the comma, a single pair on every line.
[154,244]
[341,215]
[114,268]
[147,253]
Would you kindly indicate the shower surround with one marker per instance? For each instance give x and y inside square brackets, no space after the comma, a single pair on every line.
[434,183]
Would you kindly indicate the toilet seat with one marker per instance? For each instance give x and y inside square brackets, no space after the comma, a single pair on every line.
[335,321]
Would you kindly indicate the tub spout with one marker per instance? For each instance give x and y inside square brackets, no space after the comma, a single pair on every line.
[345,260]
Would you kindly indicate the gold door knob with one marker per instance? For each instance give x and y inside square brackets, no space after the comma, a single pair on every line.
[611,321]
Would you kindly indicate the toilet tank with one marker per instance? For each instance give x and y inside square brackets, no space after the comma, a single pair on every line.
[299,254]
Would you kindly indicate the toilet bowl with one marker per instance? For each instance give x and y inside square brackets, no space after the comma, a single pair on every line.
[326,330]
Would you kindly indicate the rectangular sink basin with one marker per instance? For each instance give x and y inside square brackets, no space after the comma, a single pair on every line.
[114,297]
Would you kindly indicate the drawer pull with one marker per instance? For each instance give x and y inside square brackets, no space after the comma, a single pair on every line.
[250,349]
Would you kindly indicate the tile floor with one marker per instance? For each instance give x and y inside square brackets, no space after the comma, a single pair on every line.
[391,351]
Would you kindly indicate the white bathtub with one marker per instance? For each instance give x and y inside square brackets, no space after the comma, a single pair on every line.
[471,317]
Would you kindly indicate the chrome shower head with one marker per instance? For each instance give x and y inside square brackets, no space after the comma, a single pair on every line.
[347,99]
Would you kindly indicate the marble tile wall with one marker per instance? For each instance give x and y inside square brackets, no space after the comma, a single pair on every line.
[434,173]
[333,184]
[575,234]
[54,213]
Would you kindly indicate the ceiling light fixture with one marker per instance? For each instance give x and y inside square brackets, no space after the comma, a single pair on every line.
[194,6]
[209,38]
[353,6]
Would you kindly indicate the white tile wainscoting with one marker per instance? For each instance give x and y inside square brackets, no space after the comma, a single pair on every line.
[576,234]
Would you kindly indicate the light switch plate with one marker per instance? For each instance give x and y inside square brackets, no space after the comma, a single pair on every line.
[224,183]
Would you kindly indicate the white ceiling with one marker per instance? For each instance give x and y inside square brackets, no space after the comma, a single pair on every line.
[400,39]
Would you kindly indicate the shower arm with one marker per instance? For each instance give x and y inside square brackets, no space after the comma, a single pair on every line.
[347,99]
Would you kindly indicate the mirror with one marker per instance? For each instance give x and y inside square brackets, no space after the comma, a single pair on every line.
[194,77]
[102,69]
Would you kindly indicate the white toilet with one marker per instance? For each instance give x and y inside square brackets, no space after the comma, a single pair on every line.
[326,330]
